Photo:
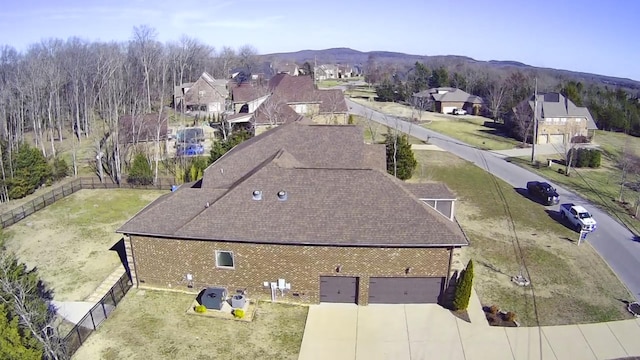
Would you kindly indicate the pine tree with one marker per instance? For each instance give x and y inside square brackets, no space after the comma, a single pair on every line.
[463,288]
[140,172]
[400,159]
[12,344]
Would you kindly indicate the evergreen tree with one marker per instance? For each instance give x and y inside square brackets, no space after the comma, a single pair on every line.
[221,147]
[12,343]
[30,171]
[464,288]
[439,78]
[401,161]
[140,172]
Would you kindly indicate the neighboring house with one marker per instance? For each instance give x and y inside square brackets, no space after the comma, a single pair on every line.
[246,97]
[446,99]
[326,72]
[133,129]
[270,114]
[345,71]
[206,95]
[289,215]
[287,68]
[559,119]
[299,92]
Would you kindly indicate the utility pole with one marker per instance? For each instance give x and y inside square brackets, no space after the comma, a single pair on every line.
[315,67]
[535,123]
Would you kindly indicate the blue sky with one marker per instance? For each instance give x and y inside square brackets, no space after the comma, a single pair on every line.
[591,36]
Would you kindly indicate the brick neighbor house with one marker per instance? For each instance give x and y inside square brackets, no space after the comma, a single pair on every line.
[292,205]
[560,121]
[205,95]
[446,99]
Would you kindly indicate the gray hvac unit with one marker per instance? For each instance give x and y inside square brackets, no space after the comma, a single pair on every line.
[238,301]
[213,298]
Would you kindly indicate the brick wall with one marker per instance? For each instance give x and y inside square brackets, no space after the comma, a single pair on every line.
[164,263]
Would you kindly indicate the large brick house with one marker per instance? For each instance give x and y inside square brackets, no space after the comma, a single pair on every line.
[205,95]
[560,121]
[447,99]
[292,207]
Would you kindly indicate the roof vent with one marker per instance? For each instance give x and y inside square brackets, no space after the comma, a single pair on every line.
[206,205]
[257,195]
[282,195]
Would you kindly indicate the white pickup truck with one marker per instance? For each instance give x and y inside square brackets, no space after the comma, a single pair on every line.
[578,216]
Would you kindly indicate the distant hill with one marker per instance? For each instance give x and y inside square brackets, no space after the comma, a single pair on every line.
[355,57]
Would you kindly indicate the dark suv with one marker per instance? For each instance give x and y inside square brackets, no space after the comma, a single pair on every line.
[543,192]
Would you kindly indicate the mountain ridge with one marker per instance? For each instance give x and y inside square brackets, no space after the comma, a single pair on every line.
[356,57]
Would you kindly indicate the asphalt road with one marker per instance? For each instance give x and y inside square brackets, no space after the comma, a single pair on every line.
[613,241]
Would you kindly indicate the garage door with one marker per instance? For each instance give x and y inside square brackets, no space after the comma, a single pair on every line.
[404,290]
[338,289]
[543,139]
[447,109]
[556,139]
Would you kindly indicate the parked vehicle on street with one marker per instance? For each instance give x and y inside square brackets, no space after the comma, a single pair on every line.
[459,112]
[578,217]
[543,192]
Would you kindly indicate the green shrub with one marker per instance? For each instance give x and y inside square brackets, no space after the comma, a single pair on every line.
[561,171]
[200,309]
[140,172]
[238,313]
[584,156]
[596,157]
[464,288]
[351,119]
[60,169]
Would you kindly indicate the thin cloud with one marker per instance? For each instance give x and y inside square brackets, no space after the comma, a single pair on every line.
[263,23]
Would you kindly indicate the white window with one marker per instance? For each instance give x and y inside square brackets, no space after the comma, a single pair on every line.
[201,93]
[563,120]
[224,259]
[578,119]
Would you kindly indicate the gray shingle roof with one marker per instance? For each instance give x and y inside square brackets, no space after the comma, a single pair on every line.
[332,197]
[556,105]
[430,190]
[449,94]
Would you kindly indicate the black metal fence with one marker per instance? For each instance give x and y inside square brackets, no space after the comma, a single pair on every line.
[13,216]
[100,312]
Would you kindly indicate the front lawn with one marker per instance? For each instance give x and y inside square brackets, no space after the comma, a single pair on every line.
[471,130]
[601,186]
[572,284]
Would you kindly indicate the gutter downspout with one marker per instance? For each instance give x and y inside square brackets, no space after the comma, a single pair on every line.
[446,280]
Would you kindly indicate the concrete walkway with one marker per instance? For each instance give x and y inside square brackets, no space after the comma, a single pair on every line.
[428,331]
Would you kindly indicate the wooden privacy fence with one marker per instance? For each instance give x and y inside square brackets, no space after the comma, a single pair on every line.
[99,313]
[13,216]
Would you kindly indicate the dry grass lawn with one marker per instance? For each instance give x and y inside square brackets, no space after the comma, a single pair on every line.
[601,186]
[69,241]
[154,325]
[572,284]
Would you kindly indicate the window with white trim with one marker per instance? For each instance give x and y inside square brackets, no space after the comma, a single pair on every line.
[225,260]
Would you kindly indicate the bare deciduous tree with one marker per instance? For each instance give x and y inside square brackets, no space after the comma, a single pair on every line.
[495,98]
[523,116]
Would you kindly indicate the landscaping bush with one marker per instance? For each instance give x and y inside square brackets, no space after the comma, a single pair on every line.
[582,158]
[561,171]
[493,310]
[463,288]
[200,309]
[238,313]
[510,316]
[596,157]
[584,155]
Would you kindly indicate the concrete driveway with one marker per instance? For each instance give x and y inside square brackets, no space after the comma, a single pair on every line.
[342,331]
[426,331]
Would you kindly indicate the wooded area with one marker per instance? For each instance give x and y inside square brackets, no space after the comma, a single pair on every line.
[76,90]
